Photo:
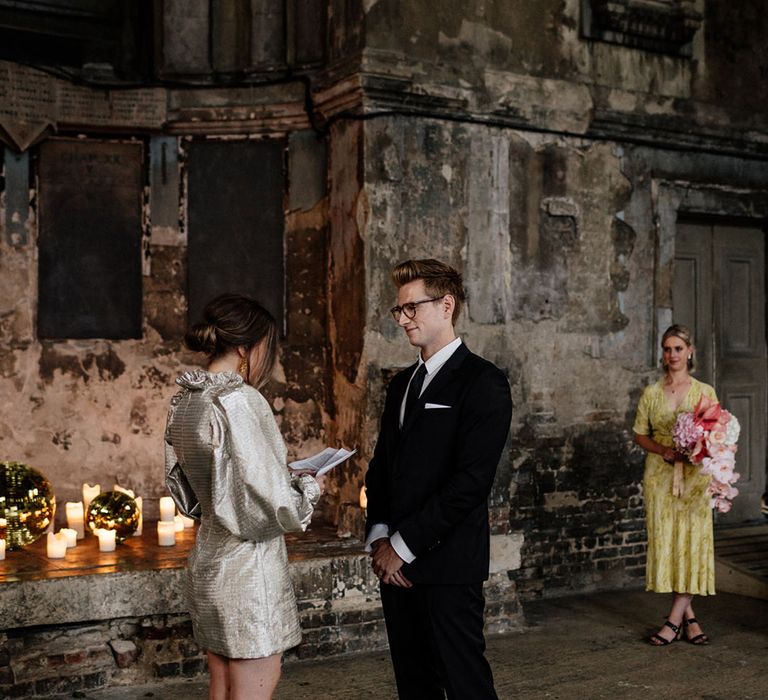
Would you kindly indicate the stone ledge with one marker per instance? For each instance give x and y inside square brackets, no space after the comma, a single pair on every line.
[72,599]
[97,620]
[142,579]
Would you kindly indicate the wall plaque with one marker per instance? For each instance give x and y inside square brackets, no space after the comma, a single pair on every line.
[90,283]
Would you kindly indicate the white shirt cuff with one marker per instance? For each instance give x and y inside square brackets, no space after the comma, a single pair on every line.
[378,531]
[399,545]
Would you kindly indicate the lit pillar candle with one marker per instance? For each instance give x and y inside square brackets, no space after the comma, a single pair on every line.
[188,522]
[89,493]
[106,539]
[127,492]
[166,533]
[56,547]
[178,524]
[140,506]
[69,535]
[75,518]
[2,550]
[167,509]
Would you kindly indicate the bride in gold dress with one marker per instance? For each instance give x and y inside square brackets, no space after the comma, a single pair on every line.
[681,553]
[226,466]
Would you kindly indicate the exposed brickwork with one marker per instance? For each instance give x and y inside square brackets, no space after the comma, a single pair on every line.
[45,661]
[577,498]
[339,609]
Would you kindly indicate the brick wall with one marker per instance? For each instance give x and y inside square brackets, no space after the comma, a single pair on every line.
[339,609]
[43,661]
[577,498]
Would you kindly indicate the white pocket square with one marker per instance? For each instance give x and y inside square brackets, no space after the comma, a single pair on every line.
[435,405]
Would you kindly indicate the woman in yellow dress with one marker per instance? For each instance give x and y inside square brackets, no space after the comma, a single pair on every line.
[681,552]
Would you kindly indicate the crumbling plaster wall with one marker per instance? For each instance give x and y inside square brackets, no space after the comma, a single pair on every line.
[94,410]
[513,158]
[535,224]
[527,62]
[511,168]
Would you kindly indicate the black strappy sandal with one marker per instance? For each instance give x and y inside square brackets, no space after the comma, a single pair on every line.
[657,640]
[700,639]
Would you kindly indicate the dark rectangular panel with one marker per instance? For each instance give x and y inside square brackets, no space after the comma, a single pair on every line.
[268,49]
[230,29]
[16,196]
[684,291]
[90,280]
[310,30]
[692,292]
[737,326]
[236,222]
[742,405]
[186,32]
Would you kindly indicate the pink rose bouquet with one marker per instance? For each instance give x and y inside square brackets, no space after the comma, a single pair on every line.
[707,436]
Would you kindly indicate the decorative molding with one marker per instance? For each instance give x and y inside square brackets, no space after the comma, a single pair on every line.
[662,26]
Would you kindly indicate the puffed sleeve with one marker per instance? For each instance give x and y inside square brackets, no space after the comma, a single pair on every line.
[182,492]
[253,493]
[642,424]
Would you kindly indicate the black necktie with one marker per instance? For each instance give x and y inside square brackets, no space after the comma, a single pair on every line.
[414,390]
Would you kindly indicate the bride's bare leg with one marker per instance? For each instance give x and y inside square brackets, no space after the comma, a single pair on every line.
[254,679]
[218,669]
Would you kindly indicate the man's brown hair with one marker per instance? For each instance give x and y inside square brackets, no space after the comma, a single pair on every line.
[439,279]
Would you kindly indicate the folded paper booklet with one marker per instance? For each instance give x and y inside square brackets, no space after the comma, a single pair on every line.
[323,461]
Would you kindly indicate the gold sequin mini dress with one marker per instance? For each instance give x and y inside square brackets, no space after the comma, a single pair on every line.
[226,465]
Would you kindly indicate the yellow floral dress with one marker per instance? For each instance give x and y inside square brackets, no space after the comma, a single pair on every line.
[681,551]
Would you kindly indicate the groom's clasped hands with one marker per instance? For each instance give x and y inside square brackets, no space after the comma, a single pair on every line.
[387,564]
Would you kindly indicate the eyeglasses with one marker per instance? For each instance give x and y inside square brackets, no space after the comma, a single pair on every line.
[409,309]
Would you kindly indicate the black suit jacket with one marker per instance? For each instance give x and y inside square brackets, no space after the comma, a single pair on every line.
[431,479]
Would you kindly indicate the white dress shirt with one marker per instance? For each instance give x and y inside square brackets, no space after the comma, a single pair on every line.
[433,365]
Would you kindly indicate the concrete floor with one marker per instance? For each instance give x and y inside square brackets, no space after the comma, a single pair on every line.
[577,648]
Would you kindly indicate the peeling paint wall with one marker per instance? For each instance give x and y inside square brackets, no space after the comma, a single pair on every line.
[529,62]
[551,169]
[94,410]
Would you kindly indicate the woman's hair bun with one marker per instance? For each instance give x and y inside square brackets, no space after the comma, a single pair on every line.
[202,338]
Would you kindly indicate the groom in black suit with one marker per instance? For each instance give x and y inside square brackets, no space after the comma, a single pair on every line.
[445,422]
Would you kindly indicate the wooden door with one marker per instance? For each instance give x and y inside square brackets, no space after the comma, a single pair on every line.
[718,290]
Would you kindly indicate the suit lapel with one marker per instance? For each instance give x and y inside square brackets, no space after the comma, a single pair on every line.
[399,395]
[444,375]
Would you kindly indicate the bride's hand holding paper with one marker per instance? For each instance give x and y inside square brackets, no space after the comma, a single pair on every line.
[322,462]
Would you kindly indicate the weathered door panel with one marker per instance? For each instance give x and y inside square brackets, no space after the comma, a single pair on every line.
[719,291]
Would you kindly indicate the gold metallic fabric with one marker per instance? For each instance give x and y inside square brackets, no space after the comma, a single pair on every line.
[226,465]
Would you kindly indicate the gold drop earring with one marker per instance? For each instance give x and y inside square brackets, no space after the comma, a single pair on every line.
[243,367]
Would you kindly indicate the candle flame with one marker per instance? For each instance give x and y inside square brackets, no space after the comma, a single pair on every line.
[363,498]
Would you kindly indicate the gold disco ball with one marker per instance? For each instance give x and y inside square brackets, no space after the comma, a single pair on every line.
[27,504]
[114,510]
